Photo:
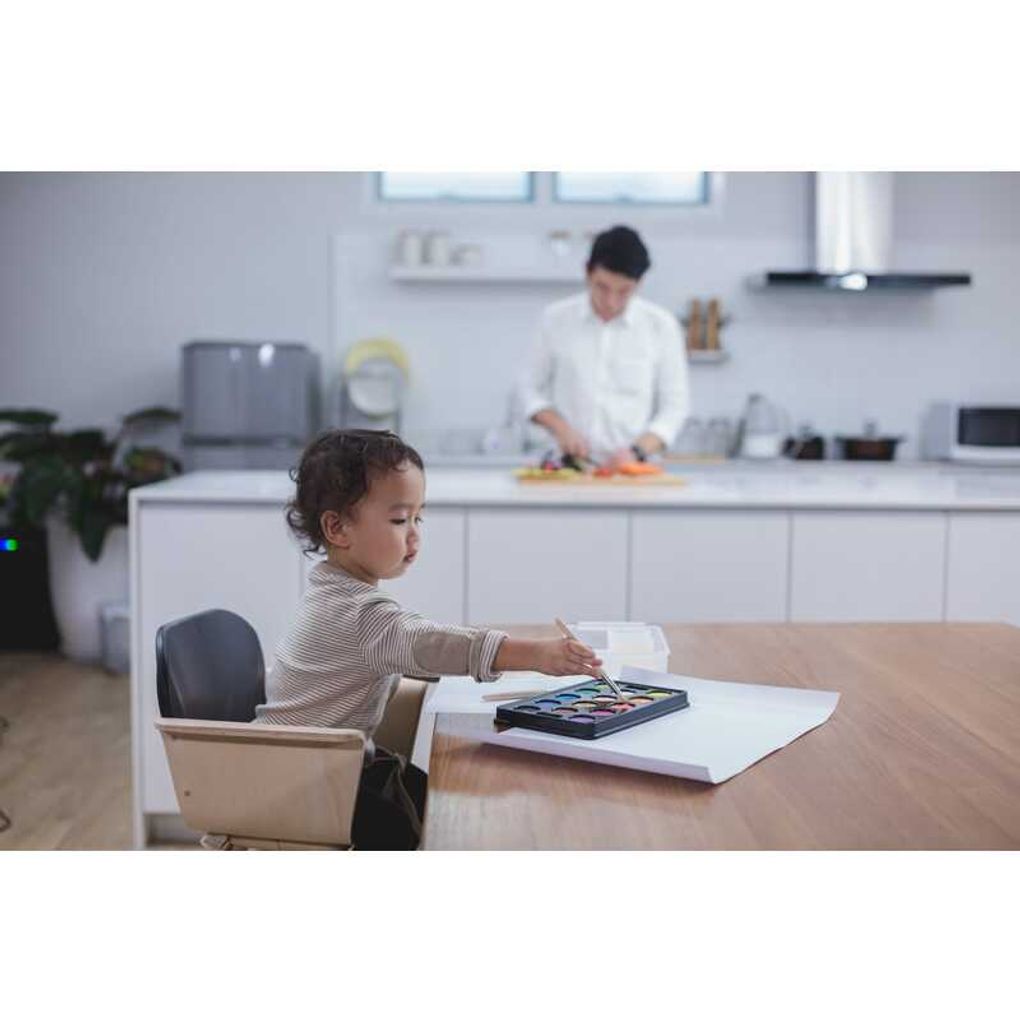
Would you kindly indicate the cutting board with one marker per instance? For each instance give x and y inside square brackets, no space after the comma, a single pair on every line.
[613,481]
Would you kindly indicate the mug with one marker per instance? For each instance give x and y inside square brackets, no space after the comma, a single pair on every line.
[437,249]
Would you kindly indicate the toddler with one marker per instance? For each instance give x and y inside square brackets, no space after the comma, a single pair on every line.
[360,496]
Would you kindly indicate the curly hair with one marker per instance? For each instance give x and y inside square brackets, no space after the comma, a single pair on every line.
[335,473]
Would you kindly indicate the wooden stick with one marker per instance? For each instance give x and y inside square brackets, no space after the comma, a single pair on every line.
[511,695]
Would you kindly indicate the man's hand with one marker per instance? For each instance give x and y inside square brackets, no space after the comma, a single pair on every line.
[567,437]
[618,457]
[571,441]
[648,442]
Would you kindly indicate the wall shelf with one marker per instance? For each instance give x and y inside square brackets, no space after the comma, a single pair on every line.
[486,274]
[697,357]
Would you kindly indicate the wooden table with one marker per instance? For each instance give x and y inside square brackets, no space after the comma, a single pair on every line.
[922,752]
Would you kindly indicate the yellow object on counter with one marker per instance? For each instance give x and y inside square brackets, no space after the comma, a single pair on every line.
[377,347]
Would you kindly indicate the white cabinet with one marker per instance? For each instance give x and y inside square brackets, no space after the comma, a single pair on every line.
[435,584]
[867,565]
[528,566]
[714,565]
[194,557]
[983,572]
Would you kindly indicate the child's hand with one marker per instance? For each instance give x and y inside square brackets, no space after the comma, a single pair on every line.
[566,657]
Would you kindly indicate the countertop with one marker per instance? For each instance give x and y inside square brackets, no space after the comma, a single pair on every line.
[831,485]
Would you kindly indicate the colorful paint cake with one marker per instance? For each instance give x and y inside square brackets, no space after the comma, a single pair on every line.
[589,710]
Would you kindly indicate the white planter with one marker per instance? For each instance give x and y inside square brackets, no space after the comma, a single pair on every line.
[79,587]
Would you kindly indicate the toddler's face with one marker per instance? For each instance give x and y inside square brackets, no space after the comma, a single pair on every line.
[384,532]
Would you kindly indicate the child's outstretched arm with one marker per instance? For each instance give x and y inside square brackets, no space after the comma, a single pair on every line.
[555,656]
[395,640]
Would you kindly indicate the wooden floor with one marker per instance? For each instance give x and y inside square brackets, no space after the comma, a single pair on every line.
[65,760]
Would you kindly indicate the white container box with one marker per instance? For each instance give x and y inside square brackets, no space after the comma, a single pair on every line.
[620,644]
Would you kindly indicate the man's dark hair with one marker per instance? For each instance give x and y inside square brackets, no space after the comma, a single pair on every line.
[620,250]
[336,471]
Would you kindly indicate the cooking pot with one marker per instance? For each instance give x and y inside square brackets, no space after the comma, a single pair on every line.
[867,447]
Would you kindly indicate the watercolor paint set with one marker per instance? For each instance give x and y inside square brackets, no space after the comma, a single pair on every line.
[590,710]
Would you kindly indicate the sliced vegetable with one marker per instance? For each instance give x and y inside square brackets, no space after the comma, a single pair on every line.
[636,467]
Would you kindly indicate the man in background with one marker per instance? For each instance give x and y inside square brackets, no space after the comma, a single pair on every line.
[608,377]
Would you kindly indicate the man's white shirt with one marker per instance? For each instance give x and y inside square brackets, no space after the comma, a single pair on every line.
[613,380]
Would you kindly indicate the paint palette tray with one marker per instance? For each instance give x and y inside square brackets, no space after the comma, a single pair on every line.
[589,710]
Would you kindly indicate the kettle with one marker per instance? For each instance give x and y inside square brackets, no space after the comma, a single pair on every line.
[762,431]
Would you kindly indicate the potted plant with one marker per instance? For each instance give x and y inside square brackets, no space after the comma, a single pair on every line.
[75,484]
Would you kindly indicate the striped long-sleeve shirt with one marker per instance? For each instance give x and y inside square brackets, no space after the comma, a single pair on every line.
[351,643]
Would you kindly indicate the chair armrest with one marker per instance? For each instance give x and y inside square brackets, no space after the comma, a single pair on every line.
[253,780]
[399,724]
[261,733]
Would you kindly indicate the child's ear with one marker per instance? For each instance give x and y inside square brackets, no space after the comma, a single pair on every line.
[334,529]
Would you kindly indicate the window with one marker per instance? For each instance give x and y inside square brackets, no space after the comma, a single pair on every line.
[465,187]
[633,189]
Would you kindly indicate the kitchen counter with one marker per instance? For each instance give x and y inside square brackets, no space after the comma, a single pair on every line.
[826,485]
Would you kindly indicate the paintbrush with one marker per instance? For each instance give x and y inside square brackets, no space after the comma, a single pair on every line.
[511,695]
[603,675]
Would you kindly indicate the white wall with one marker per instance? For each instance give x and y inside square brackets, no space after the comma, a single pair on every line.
[103,276]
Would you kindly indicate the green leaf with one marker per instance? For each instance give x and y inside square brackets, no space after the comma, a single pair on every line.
[38,487]
[144,464]
[88,445]
[30,417]
[20,447]
[95,523]
[152,416]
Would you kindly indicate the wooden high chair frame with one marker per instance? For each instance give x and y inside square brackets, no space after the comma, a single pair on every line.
[250,786]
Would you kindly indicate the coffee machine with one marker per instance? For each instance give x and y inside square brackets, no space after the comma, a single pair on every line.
[247,404]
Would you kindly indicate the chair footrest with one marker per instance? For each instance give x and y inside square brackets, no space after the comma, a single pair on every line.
[213,841]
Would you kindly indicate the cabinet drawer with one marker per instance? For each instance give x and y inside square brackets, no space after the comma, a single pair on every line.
[867,565]
[702,566]
[983,572]
[529,566]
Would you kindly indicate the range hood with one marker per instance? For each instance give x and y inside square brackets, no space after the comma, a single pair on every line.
[853,240]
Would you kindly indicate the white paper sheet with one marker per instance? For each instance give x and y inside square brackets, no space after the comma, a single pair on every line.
[461,694]
[728,727]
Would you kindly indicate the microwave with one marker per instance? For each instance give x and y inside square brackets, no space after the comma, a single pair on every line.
[975,434]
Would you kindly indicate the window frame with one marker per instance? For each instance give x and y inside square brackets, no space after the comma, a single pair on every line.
[454,200]
[557,200]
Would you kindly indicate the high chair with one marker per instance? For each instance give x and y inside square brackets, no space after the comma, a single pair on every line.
[249,785]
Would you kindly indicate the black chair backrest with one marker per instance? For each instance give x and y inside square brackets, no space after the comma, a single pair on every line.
[209,666]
